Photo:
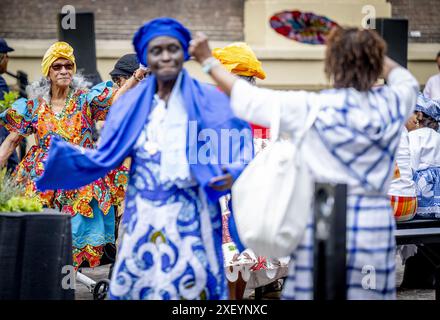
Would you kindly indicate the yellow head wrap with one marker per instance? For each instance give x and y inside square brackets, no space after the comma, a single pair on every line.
[58,50]
[239,59]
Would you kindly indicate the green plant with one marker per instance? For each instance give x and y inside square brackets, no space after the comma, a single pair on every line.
[8,99]
[13,198]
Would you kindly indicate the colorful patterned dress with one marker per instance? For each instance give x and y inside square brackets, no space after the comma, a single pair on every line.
[92,206]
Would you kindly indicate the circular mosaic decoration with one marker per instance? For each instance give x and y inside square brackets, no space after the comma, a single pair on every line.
[304,27]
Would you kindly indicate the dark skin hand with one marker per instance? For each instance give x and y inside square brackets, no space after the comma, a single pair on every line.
[223,182]
[165,59]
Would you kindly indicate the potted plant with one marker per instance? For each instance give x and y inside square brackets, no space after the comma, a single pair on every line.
[35,246]
[8,99]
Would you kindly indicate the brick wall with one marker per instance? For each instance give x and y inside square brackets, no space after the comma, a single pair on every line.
[118,19]
[220,19]
[423,16]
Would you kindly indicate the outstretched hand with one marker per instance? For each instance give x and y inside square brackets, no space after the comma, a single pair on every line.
[132,82]
[199,47]
[223,182]
[141,73]
[137,76]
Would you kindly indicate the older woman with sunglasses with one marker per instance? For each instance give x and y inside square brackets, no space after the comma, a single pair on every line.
[59,104]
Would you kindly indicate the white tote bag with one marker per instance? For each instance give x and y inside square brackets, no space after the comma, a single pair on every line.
[272,198]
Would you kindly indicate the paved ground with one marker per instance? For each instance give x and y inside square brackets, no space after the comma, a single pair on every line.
[82,293]
[410,294]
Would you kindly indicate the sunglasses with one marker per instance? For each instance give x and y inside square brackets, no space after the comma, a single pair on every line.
[59,66]
[118,79]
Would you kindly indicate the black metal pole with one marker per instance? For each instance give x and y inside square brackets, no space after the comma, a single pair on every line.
[330,213]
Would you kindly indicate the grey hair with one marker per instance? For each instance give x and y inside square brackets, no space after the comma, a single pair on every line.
[41,87]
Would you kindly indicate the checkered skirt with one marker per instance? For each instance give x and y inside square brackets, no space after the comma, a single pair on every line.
[370,253]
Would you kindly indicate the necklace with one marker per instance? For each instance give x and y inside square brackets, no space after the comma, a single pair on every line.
[61,113]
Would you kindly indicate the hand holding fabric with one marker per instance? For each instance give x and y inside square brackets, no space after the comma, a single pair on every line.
[199,47]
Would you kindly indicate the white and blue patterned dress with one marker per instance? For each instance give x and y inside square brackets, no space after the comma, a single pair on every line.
[353,141]
[169,249]
[424,145]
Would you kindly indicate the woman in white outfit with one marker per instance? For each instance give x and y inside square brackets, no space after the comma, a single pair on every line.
[353,141]
[424,149]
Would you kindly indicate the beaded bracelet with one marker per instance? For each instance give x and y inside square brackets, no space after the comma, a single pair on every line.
[209,63]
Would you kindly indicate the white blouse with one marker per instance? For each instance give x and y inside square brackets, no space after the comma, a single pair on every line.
[424,146]
[432,88]
[355,135]
[404,185]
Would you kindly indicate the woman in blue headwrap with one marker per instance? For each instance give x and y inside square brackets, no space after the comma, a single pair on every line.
[180,135]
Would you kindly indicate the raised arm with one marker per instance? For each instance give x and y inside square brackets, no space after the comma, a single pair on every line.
[254,104]
[102,96]
[199,49]
[8,146]
[403,83]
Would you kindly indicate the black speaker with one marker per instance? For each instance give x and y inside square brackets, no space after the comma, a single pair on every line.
[395,32]
[81,36]
[34,249]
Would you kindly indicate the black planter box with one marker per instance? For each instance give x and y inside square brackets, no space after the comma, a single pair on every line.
[34,248]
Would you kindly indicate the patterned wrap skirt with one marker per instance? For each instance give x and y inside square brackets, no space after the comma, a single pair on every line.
[428,193]
[171,248]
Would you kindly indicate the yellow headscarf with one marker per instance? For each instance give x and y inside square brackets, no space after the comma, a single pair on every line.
[58,50]
[239,59]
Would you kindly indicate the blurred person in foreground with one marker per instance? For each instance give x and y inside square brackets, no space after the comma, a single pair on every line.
[353,141]
[170,125]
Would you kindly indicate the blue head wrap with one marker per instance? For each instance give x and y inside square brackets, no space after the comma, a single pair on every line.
[428,106]
[157,28]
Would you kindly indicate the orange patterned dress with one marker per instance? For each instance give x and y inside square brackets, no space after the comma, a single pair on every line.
[92,206]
